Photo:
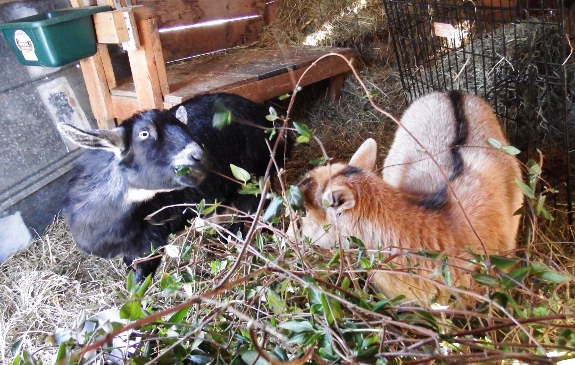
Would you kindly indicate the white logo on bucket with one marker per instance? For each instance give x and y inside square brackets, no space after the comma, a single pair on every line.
[25,45]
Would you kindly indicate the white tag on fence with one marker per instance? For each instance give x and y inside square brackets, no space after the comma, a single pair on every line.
[444,30]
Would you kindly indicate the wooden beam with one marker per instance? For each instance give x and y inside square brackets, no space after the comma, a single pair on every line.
[111,27]
[285,83]
[95,70]
[198,11]
[124,107]
[98,92]
[270,11]
[210,38]
[335,87]
[107,64]
[144,68]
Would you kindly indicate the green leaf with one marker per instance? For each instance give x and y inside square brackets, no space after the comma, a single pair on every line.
[318,161]
[250,189]
[281,353]
[527,191]
[297,326]
[381,304]
[358,242]
[539,205]
[535,169]
[313,296]
[166,281]
[302,129]
[252,357]
[328,354]
[502,262]
[271,132]
[514,277]
[183,171]
[62,353]
[222,116]
[364,263]
[302,139]
[179,315]
[141,290]
[132,310]
[272,209]
[428,318]
[544,272]
[294,197]
[15,348]
[271,118]
[510,150]
[239,173]
[485,279]
[326,308]
[494,143]
[334,259]
[210,209]
[545,214]
[277,305]
[284,96]
[131,282]
[198,359]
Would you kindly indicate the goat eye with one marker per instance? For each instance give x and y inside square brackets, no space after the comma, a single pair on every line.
[143,134]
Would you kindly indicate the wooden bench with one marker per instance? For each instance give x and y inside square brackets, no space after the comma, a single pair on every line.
[180,48]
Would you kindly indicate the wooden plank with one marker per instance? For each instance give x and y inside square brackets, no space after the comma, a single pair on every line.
[156,46]
[335,87]
[209,38]
[202,83]
[234,68]
[270,11]
[275,86]
[125,107]
[173,13]
[111,27]
[144,70]
[98,92]
[107,64]
[94,71]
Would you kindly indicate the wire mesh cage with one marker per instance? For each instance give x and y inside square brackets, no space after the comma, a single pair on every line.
[514,53]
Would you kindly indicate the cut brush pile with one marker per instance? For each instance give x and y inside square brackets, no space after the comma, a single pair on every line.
[262,299]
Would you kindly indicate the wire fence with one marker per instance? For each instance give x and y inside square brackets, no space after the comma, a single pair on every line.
[514,53]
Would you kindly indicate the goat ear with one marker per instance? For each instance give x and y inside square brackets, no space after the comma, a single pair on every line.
[182,114]
[339,197]
[98,139]
[365,156]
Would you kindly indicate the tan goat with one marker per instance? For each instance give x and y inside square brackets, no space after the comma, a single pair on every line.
[412,208]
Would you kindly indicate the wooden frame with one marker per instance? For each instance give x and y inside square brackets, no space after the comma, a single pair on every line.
[168,31]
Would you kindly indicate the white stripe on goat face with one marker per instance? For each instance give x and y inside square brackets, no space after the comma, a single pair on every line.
[192,154]
[134,195]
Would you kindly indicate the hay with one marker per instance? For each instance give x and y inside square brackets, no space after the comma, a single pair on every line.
[46,286]
[82,282]
[360,24]
[344,126]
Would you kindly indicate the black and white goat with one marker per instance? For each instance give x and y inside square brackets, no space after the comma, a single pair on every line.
[134,170]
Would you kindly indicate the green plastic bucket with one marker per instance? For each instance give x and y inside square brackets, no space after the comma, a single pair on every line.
[55,38]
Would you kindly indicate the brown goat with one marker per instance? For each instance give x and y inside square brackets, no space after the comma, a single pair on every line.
[465,199]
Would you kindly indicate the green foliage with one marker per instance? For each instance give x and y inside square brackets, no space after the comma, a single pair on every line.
[304,133]
[281,299]
[222,116]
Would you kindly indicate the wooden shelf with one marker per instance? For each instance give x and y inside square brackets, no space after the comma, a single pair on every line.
[256,73]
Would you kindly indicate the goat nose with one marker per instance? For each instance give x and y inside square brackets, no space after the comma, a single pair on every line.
[196,152]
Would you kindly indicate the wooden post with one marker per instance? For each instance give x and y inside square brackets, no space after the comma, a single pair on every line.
[144,68]
[94,72]
[335,87]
